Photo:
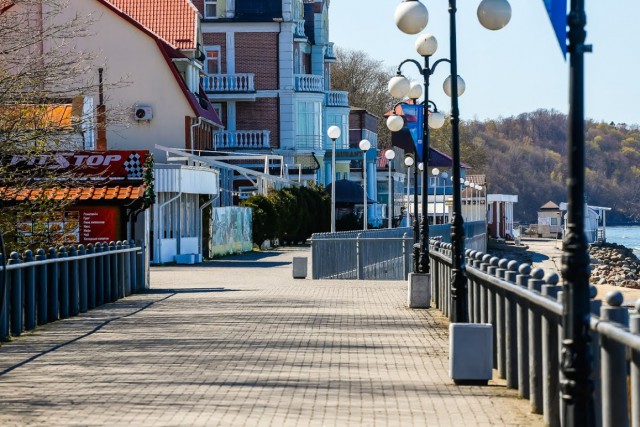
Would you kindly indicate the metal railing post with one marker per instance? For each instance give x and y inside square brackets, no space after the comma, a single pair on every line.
[535,344]
[106,273]
[501,359]
[101,292]
[522,317]
[42,289]
[63,285]
[133,273]
[114,272]
[127,268]
[120,270]
[16,306]
[614,367]
[595,306]
[511,331]
[29,293]
[83,288]
[550,358]
[91,277]
[634,326]
[491,309]
[406,255]
[74,282]
[52,279]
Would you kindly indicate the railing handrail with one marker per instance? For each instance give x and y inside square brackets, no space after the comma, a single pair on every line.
[21,264]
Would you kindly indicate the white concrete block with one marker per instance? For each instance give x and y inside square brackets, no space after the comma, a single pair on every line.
[470,352]
[419,291]
[299,267]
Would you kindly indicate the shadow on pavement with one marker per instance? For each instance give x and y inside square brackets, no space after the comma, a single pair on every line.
[189,291]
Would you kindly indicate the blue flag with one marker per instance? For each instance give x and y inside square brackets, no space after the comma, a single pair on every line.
[414,118]
[557,10]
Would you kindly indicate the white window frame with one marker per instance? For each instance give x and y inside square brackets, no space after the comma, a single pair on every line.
[211,3]
[206,59]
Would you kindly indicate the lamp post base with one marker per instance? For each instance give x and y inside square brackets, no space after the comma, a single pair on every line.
[419,290]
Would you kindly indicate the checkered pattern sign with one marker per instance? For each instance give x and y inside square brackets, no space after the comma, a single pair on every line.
[133,166]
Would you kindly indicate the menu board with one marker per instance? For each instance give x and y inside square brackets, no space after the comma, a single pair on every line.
[99,224]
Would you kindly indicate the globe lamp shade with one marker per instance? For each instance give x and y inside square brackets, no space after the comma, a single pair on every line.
[415,90]
[494,14]
[445,175]
[426,45]
[447,86]
[436,120]
[411,16]
[395,123]
[334,132]
[420,166]
[390,154]
[365,145]
[399,86]
[435,172]
[408,161]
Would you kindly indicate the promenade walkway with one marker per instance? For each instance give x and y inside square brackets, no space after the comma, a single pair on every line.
[239,342]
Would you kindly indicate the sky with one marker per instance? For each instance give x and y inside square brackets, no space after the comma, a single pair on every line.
[514,70]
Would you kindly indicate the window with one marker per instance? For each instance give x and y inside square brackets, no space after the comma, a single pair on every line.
[212,62]
[210,8]
[309,125]
[554,221]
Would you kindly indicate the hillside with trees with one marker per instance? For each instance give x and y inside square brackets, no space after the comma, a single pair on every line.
[527,155]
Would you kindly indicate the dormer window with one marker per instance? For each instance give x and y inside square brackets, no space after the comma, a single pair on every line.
[210,8]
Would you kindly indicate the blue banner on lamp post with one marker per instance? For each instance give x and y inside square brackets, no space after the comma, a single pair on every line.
[557,10]
[413,115]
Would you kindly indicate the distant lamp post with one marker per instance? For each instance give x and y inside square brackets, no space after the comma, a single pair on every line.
[435,172]
[411,18]
[365,145]
[408,162]
[390,155]
[333,133]
[444,195]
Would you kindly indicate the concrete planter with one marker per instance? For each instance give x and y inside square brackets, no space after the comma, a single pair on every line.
[471,353]
[299,267]
[419,292]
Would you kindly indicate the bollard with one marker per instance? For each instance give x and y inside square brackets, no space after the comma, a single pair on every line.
[53,307]
[15,286]
[511,331]
[634,326]
[63,285]
[29,293]
[83,291]
[74,285]
[91,277]
[614,366]
[41,288]
[522,316]
[550,359]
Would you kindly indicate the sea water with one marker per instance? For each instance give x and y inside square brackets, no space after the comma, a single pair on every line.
[627,236]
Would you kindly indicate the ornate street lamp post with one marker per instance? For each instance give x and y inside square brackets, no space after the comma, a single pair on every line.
[364,145]
[333,133]
[390,155]
[411,17]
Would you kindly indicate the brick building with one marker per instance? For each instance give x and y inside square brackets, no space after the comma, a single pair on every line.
[268,74]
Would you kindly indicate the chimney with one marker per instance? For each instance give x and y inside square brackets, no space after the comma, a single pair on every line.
[101,143]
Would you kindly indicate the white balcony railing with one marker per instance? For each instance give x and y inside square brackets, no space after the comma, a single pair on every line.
[298,31]
[241,139]
[228,83]
[309,83]
[337,98]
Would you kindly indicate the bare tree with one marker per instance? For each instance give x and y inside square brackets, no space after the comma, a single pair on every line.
[366,81]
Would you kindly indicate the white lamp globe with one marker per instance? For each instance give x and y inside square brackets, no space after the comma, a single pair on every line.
[494,14]
[451,178]
[415,90]
[399,86]
[436,120]
[445,175]
[420,166]
[411,16]
[408,161]
[426,45]
[334,132]
[462,181]
[479,187]
[467,183]
[395,123]
[447,86]
[435,172]
[365,145]
[390,154]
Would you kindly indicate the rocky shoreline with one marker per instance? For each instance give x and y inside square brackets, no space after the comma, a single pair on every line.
[616,265]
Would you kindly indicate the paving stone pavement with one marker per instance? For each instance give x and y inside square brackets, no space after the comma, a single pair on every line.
[238,342]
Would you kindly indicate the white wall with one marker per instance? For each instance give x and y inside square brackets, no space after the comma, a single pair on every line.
[135,72]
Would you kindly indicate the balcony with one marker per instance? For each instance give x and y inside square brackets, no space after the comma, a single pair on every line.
[309,83]
[241,140]
[298,31]
[337,98]
[229,83]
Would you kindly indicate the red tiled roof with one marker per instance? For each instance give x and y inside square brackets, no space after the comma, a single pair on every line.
[175,21]
[77,194]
